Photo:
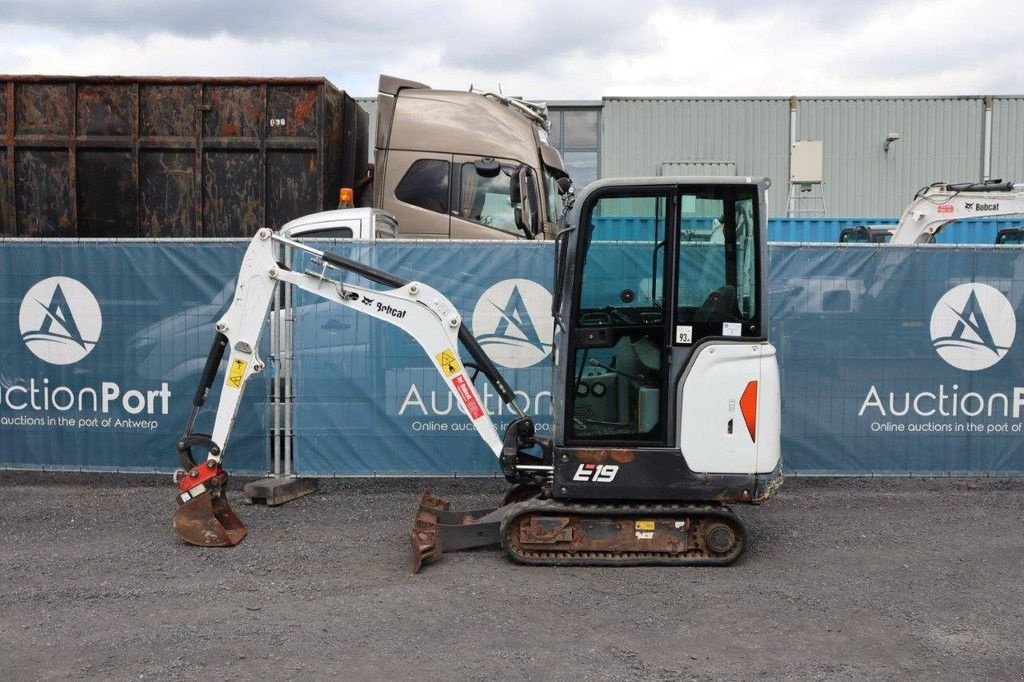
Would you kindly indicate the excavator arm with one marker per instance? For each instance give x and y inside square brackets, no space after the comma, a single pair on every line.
[937,205]
[204,516]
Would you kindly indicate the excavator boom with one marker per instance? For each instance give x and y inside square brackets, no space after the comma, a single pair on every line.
[204,517]
[939,204]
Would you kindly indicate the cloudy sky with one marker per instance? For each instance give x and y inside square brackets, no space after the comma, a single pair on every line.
[539,48]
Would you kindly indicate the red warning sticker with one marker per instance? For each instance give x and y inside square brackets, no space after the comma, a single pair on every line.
[466,393]
[945,208]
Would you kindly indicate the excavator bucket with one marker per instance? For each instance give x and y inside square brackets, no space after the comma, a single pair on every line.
[207,520]
[425,546]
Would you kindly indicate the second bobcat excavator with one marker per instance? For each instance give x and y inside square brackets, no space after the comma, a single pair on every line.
[665,387]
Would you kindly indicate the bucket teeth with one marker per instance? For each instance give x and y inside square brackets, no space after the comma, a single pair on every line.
[207,520]
[430,503]
[426,546]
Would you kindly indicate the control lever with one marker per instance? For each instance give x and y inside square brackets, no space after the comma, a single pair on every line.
[594,362]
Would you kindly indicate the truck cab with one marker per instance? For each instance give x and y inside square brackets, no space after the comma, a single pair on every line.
[445,161]
[365,224]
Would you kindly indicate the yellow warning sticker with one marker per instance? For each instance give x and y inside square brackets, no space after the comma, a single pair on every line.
[449,365]
[645,525]
[236,373]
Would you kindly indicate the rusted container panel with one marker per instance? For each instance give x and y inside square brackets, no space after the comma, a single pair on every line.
[168,110]
[43,200]
[3,113]
[167,196]
[172,157]
[106,110]
[292,111]
[233,111]
[43,109]
[105,194]
[232,193]
[7,225]
[292,183]
[6,196]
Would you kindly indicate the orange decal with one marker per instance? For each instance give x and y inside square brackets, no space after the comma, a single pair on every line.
[748,406]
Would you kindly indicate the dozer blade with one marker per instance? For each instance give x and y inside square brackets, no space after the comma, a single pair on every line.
[207,520]
[437,529]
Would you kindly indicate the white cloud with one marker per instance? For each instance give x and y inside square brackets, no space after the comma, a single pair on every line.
[540,49]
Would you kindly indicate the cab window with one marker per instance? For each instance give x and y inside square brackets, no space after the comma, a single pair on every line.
[485,199]
[717,266]
[330,233]
[425,184]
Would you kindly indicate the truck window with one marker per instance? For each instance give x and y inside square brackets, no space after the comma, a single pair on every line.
[485,200]
[425,184]
[329,233]
[554,199]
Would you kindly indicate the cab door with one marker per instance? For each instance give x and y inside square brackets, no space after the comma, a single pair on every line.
[618,337]
[417,191]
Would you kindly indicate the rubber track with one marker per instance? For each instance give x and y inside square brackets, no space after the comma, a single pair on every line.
[697,556]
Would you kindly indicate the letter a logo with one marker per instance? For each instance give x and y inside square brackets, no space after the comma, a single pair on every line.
[60,320]
[512,321]
[973,326]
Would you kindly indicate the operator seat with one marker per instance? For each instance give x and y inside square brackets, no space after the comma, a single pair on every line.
[720,306]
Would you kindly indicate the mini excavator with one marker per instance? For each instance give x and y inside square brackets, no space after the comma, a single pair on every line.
[665,394]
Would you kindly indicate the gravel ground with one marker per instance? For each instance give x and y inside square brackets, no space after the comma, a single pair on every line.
[846,578]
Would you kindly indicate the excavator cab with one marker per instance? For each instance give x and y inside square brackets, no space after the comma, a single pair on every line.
[664,370]
[1010,235]
[665,387]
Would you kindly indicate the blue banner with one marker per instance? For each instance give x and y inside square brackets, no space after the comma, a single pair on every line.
[102,345]
[900,360]
[894,360]
[367,399]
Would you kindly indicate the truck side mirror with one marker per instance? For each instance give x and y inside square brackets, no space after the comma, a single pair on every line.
[523,191]
[514,194]
[487,167]
[527,214]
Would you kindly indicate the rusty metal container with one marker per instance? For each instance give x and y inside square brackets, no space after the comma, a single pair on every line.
[172,157]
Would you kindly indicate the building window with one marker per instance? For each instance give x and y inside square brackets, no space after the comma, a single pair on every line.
[576,133]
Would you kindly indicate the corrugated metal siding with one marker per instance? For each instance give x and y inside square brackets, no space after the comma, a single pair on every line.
[940,140]
[639,134]
[697,168]
[369,105]
[1008,138]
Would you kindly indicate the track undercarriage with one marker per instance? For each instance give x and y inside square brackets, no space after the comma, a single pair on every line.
[550,532]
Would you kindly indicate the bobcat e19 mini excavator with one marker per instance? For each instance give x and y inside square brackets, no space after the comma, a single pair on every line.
[665,388]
